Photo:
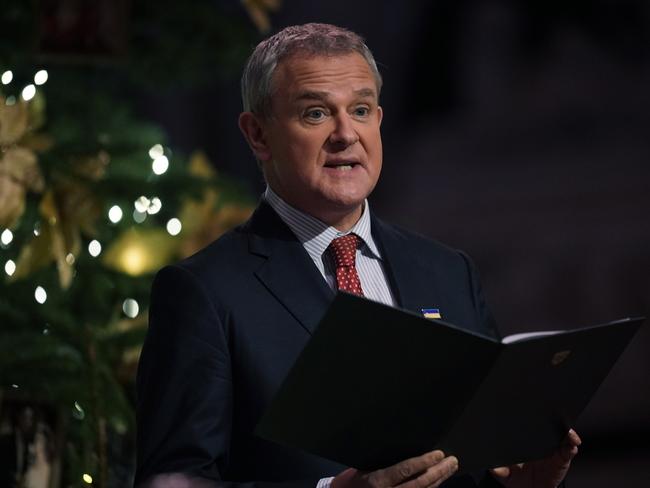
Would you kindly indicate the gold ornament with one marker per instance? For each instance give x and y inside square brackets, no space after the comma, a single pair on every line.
[19,171]
[140,251]
[67,209]
[92,167]
[206,219]
[14,121]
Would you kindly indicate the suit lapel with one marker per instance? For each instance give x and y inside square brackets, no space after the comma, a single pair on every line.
[413,283]
[287,272]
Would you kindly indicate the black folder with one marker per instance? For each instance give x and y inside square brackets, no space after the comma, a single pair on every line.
[376,385]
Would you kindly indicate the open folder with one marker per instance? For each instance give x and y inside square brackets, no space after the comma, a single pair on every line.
[376,385]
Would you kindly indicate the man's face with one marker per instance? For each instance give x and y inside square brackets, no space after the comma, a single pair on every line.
[324,144]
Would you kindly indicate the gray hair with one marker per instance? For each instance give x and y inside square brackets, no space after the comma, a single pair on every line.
[308,39]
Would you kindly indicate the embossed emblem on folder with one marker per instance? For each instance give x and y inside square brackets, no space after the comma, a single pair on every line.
[559,357]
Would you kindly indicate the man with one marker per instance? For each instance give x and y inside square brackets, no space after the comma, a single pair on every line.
[227,323]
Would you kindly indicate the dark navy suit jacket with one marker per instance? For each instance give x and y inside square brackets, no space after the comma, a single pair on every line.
[226,326]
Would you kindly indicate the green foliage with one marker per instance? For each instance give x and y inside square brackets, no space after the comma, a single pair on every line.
[76,350]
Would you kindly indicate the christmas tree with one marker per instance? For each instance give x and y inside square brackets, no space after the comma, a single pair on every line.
[92,202]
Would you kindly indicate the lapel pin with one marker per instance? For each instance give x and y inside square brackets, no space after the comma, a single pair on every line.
[431,313]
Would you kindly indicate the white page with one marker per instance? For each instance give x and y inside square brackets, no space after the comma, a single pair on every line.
[528,335]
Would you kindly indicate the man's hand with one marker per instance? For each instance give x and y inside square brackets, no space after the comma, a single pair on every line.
[428,470]
[545,473]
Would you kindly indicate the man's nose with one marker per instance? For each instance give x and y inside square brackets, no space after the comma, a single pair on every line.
[344,133]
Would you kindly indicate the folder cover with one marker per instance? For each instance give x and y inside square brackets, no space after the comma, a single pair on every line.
[376,385]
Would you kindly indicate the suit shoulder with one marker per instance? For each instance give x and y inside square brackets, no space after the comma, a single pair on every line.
[225,256]
[421,246]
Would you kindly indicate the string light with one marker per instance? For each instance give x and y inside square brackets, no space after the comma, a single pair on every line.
[87,478]
[28,92]
[154,206]
[130,308]
[40,77]
[139,217]
[40,294]
[10,267]
[156,151]
[94,248]
[78,412]
[69,258]
[6,78]
[6,237]
[174,226]
[145,206]
[142,204]
[115,214]
[160,165]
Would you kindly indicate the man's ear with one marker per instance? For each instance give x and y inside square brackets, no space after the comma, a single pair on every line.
[380,113]
[253,131]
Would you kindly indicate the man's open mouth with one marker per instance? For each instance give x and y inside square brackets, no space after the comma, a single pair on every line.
[342,165]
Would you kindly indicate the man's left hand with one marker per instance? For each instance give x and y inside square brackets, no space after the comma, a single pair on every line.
[545,473]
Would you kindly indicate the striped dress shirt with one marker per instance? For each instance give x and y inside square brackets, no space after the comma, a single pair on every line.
[316,237]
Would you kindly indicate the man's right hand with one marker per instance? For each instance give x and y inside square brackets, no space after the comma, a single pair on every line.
[428,470]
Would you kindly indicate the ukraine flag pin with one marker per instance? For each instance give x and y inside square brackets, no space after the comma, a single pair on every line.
[431,313]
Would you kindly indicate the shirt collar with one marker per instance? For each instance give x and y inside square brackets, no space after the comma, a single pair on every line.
[316,235]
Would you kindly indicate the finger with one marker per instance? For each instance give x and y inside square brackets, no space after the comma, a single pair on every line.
[434,475]
[402,471]
[567,453]
[574,438]
[501,472]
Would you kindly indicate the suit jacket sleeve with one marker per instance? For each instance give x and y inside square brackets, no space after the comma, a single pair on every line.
[184,385]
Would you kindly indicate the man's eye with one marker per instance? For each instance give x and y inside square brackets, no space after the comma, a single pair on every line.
[315,114]
[361,111]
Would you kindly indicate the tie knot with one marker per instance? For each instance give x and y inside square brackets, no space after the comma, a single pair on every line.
[344,250]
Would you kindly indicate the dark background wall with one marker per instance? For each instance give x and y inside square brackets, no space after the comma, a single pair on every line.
[516,131]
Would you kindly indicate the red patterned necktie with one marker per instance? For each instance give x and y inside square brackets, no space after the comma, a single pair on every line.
[344,251]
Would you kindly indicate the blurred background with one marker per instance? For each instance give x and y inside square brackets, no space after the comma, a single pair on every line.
[514,130]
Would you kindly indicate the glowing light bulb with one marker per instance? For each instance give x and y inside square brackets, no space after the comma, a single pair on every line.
[10,267]
[156,151]
[174,226]
[130,308]
[40,77]
[160,165]
[154,206]
[28,92]
[87,478]
[6,237]
[94,248]
[115,214]
[69,258]
[139,217]
[6,78]
[142,204]
[40,294]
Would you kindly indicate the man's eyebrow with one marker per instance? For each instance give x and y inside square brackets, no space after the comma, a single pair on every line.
[312,95]
[366,92]
[323,95]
